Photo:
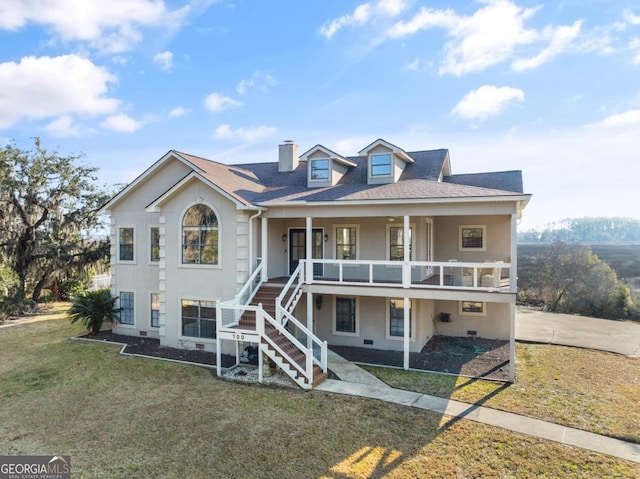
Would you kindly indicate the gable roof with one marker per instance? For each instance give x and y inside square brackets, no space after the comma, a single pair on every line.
[253,185]
[396,150]
[330,153]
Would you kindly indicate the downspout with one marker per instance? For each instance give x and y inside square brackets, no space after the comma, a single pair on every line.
[251,218]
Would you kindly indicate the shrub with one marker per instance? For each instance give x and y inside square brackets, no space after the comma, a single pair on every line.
[93,308]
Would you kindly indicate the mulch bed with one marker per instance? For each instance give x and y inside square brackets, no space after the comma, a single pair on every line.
[474,357]
[151,347]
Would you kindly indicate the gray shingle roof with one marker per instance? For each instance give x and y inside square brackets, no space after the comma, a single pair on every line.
[502,180]
[258,183]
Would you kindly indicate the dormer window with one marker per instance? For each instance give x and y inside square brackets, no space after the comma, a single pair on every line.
[320,169]
[381,165]
[385,162]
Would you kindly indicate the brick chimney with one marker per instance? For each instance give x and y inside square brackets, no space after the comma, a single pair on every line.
[287,156]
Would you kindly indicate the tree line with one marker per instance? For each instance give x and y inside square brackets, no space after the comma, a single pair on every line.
[49,229]
[569,278]
[585,230]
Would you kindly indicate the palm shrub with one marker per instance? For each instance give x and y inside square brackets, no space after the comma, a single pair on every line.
[93,308]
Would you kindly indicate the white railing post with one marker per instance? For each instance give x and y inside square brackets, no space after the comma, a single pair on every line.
[259,320]
[323,356]
[310,365]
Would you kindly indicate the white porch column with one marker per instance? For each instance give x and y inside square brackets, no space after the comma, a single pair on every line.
[309,317]
[308,250]
[406,267]
[513,273]
[407,330]
[512,342]
[264,276]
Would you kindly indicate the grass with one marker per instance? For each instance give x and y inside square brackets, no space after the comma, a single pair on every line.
[120,416]
[591,390]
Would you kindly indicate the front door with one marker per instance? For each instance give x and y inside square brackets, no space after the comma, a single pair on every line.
[298,247]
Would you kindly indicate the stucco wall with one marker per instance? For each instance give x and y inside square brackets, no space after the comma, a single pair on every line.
[494,324]
[372,322]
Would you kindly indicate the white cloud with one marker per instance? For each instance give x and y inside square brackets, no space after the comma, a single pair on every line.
[627,119]
[486,101]
[259,80]
[631,18]
[561,38]
[42,87]
[216,102]
[478,43]
[164,60]
[121,123]
[225,132]
[634,46]
[178,111]
[63,126]
[363,14]
[112,25]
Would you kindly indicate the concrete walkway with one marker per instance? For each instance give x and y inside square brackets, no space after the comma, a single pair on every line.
[484,415]
[580,331]
[355,381]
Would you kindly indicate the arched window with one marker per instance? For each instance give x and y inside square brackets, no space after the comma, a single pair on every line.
[200,236]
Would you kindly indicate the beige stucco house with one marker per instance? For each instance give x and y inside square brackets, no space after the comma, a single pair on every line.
[383,250]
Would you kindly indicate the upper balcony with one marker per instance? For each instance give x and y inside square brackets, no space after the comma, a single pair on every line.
[451,275]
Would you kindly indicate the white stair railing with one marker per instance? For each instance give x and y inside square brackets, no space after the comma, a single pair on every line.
[297,278]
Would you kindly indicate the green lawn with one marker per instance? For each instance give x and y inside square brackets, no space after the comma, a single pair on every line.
[586,389]
[137,418]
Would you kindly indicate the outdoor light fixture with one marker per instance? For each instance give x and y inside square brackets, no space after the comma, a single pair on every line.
[319,302]
[326,238]
[284,237]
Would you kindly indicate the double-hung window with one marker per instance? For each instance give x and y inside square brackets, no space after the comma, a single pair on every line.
[126,305]
[155,310]
[346,238]
[320,169]
[396,243]
[125,244]
[381,165]
[154,234]
[396,318]
[346,316]
[199,319]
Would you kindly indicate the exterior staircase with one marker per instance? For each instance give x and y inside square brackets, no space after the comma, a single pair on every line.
[281,347]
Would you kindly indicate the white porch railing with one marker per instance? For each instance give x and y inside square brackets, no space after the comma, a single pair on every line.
[487,276]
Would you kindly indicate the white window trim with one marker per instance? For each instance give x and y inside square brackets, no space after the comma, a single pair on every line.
[193,339]
[329,170]
[153,263]
[128,326]
[412,226]
[135,243]
[201,201]
[335,238]
[155,328]
[484,237]
[334,317]
[391,165]
[412,304]
[471,313]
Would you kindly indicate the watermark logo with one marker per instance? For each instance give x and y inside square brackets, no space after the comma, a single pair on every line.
[35,467]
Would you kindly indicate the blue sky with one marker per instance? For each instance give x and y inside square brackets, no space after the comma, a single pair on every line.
[551,88]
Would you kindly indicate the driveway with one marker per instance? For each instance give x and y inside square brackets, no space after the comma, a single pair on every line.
[565,329]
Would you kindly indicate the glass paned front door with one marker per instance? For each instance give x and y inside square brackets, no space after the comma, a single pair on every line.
[298,248]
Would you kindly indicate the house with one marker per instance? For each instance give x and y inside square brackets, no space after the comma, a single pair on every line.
[381,250]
